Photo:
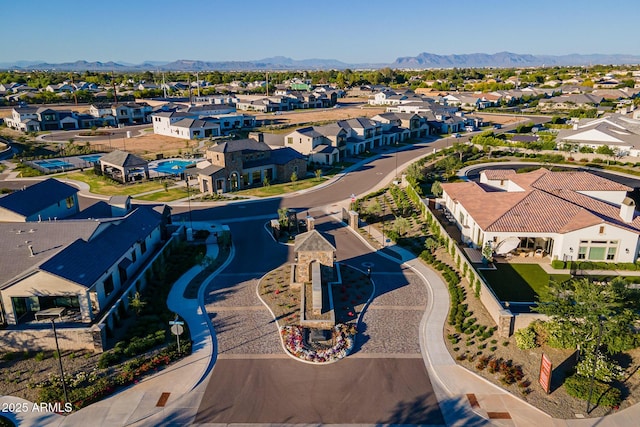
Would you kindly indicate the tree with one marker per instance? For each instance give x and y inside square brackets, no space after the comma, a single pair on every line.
[431,244]
[401,225]
[283,217]
[294,177]
[436,189]
[318,173]
[374,210]
[137,303]
[577,308]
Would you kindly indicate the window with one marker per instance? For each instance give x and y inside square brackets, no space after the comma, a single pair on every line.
[611,254]
[596,253]
[70,202]
[133,256]
[582,252]
[143,246]
[108,285]
[601,231]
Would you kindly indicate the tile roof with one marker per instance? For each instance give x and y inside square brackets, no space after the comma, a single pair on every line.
[37,197]
[495,174]
[551,202]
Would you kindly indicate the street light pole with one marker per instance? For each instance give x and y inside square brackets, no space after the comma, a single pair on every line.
[64,385]
[189,202]
[396,156]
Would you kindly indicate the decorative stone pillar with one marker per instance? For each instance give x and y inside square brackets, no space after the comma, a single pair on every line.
[505,323]
[353,219]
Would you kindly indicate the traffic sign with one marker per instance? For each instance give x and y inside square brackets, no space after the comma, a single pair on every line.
[177,329]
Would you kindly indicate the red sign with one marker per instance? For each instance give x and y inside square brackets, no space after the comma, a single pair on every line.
[545,373]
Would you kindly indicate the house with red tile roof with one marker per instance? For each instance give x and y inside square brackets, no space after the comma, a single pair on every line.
[560,215]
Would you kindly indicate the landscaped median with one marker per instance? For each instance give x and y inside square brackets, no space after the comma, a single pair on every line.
[284,300]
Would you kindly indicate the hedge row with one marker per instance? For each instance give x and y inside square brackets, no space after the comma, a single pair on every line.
[594,265]
[458,311]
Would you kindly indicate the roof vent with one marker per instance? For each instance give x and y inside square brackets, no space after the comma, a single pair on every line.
[31,253]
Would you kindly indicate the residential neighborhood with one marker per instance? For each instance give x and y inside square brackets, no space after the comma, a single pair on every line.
[265,241]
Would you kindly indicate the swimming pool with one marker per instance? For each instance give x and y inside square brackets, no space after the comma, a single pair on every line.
[53,164]
[173,167]
[91,159]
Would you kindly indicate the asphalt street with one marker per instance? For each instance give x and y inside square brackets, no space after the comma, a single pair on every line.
[384,381]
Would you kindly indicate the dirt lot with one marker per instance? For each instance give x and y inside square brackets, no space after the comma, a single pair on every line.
[345,110]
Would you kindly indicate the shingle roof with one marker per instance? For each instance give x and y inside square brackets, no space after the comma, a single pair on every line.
[47,239]
[122,158]
[282,156]
[312,241]
[37,197]
[110,244]
[239,145]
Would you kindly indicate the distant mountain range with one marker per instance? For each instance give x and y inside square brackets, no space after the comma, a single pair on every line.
[508,60]
[422,61]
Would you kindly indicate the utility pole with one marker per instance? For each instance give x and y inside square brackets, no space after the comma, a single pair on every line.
[267,86]
[115,94]
[198,84]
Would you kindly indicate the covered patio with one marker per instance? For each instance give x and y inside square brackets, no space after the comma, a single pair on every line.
[527,250]
[124,167]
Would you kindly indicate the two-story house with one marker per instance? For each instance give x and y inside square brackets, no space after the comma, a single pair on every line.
[237,164]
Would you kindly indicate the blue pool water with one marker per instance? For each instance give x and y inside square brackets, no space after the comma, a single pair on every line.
[173,167]
[91,159]
[53,164]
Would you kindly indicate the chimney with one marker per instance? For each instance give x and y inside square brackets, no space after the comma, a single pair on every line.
[627,210]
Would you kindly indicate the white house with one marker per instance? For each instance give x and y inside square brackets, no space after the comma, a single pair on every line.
[559,215]
[620,133]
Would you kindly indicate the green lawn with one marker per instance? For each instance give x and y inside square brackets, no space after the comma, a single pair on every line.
[520,282]
[166,196]
[278,189]
[101,185]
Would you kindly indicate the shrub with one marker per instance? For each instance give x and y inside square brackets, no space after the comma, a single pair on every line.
[603,394]
[526,338]
[558,264]
[108,358]
[40,356]
[607,370]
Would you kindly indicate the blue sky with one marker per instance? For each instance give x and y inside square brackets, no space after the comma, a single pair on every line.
[352,31]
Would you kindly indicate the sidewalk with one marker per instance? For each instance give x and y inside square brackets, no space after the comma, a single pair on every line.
[452,383]
[138,404]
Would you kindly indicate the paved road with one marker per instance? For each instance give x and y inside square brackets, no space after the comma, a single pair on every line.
[254,381]
[358,391]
